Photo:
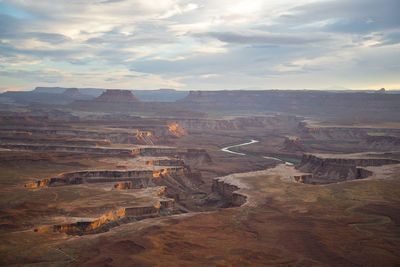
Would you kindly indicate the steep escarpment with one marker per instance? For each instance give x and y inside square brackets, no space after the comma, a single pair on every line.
[138,178]
[175,129]
[240,123]
[88,129]
[348,138]
[309,131]
[124,96]
[381,143]
[165,162]
[228,193]
[292,145]
[190,156]
[228,188]
[146,137]
[362,105]
[123,185]
[336,168]
[114,218]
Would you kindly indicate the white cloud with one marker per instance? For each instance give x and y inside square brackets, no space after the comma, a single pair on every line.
[200,44]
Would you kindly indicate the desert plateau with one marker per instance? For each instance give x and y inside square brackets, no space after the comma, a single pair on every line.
[225,133]
[86,183]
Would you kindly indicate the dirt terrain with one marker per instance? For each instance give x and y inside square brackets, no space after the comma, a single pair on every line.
[153,187]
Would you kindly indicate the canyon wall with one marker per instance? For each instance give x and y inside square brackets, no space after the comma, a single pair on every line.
[336,168]
[112,219]
[365,106]
[228,192]
[357,139]
[239,123]
[137,178]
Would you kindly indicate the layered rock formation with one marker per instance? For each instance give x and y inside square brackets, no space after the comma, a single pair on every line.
[112,219]
[381,143]
[175,129]
[191,157]
[348,138]
[117,96]
[137,178]
[336,168]
[297,102]
[124,185]
[165,162]
[293,145]
[239,123]
[146,137]
[229,192]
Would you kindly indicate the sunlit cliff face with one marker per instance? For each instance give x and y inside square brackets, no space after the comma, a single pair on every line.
[160,173]
[176,129]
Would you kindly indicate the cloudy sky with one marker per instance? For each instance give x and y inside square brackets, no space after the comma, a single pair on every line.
[200,45]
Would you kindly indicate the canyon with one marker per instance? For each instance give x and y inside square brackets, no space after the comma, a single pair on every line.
[224,178]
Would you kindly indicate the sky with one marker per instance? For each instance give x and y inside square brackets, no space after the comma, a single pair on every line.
[200,45]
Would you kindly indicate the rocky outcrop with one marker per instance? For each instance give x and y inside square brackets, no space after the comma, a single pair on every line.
[292,145]
[305,178]
[137,178]
[124,185]
[191,157]
[165,162]
[113,218]
[228,192]
[381,91]
[117,96]
[180,181]
[331,133]
[353,139]
[41,183]
[335,168]
[146,137]
[167,204]
[90,226]
[175,129]
[381,143]
[161,191]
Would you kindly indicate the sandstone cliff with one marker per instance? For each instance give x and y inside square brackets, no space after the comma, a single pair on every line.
[336,168]
[228,192]
[117,96]
[113,218]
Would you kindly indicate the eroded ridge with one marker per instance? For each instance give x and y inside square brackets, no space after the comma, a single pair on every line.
[161,206]
[147,185]
[138,178]
[229,188]
[331,168]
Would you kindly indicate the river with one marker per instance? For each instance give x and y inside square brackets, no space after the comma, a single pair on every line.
[252,141]
[226,149]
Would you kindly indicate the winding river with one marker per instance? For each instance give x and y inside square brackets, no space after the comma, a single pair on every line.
[252,141]
[227,149]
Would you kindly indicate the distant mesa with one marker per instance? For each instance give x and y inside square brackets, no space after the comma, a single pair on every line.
[381,91]
[117,96]
[73,92]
